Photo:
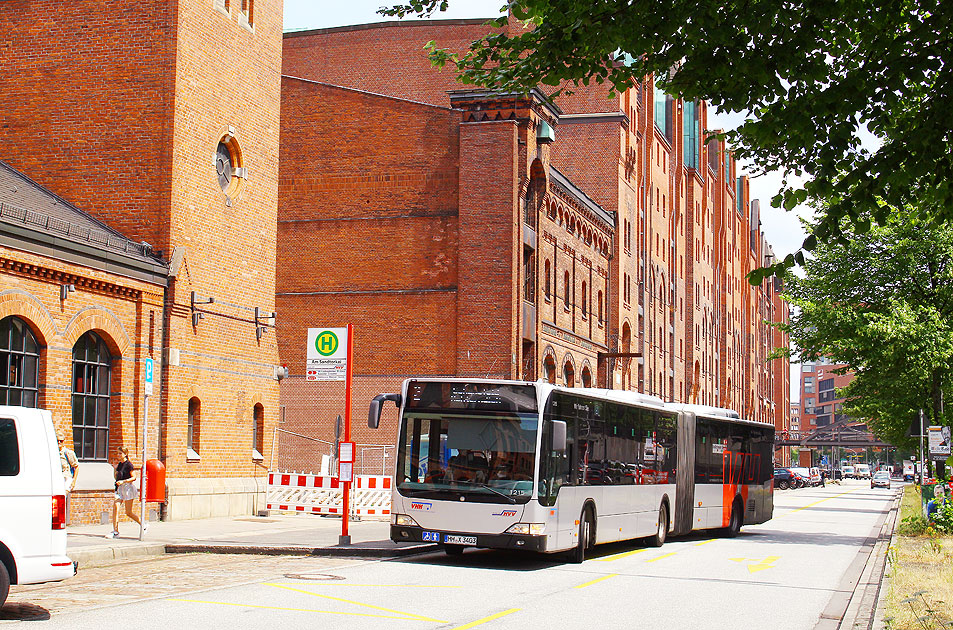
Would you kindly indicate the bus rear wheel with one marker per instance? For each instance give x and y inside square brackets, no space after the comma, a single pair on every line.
[578,554]
[661,531]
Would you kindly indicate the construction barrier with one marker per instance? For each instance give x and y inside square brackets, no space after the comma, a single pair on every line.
[314,494]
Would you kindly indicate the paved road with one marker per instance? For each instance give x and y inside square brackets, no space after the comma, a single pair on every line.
[779,575]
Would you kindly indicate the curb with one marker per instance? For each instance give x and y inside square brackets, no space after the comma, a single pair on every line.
[94,557]
[355,551]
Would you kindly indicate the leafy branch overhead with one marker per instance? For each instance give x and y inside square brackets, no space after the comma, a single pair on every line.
[810,74]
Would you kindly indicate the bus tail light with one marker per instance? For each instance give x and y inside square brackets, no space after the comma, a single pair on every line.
[404,519]
[527,529]
[59,511]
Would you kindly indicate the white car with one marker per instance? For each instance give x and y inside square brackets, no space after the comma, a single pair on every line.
[32,501]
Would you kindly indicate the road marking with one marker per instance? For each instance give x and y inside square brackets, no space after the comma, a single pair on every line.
[307,610]
[759,565]
[348,601]
[619,556]
[478,622]
[662,556]
[767,563]
[597,580]
[810,505]
[705,542]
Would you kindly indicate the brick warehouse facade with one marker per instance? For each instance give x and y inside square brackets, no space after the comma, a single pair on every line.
[627,233]
[159,122]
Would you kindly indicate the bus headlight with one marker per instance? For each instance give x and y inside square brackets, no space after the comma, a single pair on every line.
[527,529]
[404,519]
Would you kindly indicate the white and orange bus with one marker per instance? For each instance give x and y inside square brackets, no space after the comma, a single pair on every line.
[522,465]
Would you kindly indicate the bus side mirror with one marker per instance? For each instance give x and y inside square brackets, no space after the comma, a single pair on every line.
[374,413]
[559,435]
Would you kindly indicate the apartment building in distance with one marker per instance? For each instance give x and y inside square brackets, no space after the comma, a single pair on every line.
[820,404]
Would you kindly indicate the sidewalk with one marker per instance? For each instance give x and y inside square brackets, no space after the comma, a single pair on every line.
[290,534]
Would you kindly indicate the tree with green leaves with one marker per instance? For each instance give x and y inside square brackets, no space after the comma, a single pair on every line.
[881,302]
[809,74]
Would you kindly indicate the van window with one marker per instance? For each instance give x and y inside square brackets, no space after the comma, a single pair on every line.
[9,451]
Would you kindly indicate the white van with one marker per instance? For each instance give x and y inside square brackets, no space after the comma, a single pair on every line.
[32,501]
[862,471]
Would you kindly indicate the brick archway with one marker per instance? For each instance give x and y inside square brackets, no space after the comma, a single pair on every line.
[29,309]
[103,322]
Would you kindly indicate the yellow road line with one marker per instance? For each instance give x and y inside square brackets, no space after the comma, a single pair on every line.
[660,557]
[705,542]
[307,610]
[478,622]
[597,580]
[348,601]
[619,556]
[810,505]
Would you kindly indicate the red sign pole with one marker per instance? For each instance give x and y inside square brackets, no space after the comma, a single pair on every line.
[345,538]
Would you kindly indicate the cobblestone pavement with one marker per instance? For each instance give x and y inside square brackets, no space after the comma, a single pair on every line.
[134,580]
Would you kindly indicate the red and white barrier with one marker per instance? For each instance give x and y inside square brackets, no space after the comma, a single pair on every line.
[313,494]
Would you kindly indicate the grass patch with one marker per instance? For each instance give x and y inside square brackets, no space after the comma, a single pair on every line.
[921,572]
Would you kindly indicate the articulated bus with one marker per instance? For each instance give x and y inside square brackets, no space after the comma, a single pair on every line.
[533,466]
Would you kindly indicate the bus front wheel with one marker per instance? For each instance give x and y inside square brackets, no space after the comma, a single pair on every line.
[578,554]
[661,531]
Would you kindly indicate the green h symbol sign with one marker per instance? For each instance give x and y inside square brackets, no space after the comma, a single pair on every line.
[326,343]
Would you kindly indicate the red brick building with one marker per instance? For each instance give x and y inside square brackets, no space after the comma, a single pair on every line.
[501,235]
[158,123]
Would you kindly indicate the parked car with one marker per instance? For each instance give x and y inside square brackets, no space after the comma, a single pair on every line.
[880,479]
[784,478]
[32,501]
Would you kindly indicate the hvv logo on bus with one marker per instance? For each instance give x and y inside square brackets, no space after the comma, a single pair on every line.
[421,505]
[506,513]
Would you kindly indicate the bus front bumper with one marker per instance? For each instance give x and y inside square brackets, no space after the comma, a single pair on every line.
[407,533]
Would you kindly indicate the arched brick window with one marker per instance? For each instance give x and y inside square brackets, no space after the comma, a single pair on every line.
[19,363]
[193,443]
[258,433]
[92,372]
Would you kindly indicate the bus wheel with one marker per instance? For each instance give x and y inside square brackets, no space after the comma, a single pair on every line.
[661,532]
[453,550]
[734,521]
[578,554]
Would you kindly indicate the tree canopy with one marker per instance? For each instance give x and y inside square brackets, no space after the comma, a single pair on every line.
[882,303]
[809,74]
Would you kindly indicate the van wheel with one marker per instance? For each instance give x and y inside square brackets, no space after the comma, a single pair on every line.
[734,521]
[661,531]
[4,583]
[578,554]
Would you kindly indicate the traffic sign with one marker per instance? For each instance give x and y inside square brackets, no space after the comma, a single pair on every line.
[149,372]
[326,354]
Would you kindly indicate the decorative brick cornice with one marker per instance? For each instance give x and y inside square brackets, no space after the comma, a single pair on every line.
[60,277]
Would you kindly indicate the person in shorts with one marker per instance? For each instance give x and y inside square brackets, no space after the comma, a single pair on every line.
[126,491]
[70,466]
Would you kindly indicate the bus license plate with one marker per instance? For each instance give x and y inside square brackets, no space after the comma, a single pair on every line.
[459,540]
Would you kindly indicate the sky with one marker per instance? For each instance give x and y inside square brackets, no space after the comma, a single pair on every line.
[781,229]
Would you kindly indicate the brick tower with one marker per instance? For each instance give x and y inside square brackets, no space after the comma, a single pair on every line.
[161,120]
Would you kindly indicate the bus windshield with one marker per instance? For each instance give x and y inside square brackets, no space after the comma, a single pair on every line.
[486,457]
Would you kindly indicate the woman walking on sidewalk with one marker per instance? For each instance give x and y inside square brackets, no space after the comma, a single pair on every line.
[125,491]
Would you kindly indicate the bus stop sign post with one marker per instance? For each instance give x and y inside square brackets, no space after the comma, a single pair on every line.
[343,465]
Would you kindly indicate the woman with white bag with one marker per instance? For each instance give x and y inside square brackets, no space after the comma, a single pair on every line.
[126,491]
